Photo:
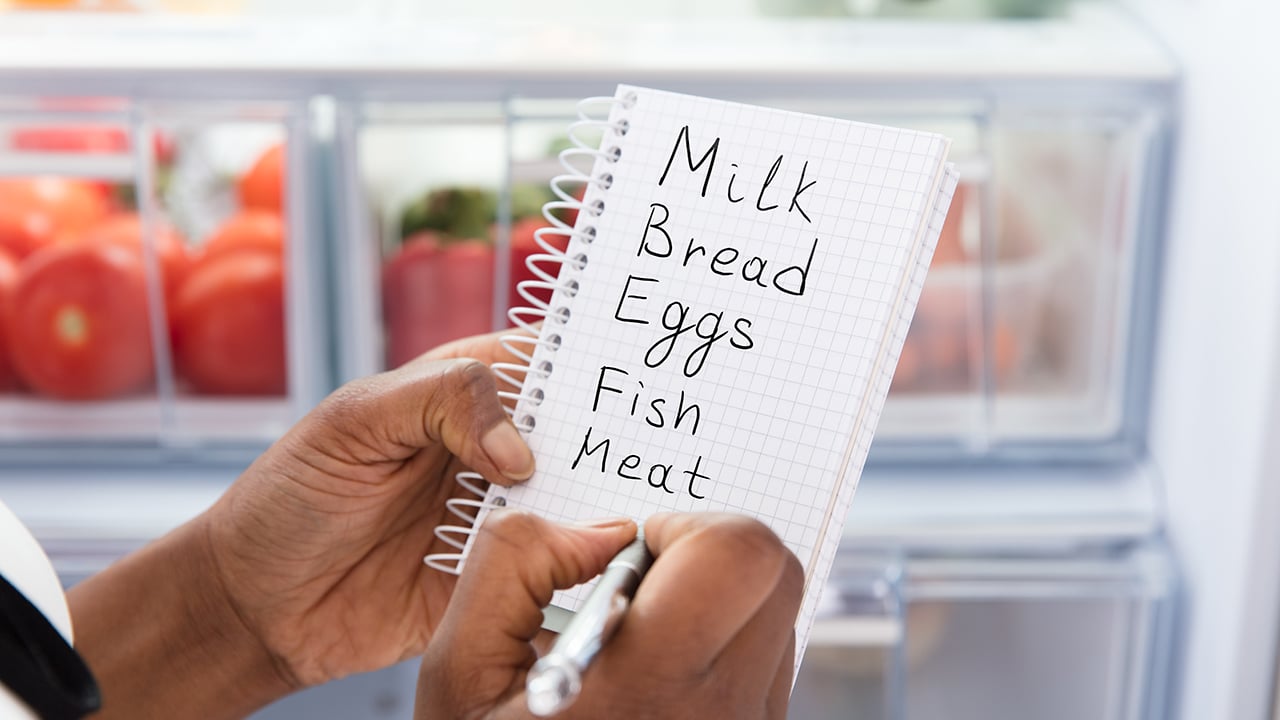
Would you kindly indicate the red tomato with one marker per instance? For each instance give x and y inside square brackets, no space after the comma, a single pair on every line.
[164,147]
[262,187]
[73,203]
[251,230]
[1005,353]
[23,231]
[229,332]
[411,294]
[467,288]
[524,244]
[571,216]
[71,138]
[906,377]
[125,230]
[87,139]
[950,249]
[78,322]
[433,293]
[8,280]
[35,210]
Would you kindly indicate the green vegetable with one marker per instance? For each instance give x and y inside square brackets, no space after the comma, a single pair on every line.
[455,212]
[527,199]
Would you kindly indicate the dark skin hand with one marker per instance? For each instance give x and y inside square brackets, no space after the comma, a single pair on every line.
[710,633]
[310,566]
[345,532]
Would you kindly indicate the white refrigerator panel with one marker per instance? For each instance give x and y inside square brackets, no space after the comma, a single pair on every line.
[1216,415]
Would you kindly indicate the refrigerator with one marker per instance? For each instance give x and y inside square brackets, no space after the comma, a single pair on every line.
[1065,513]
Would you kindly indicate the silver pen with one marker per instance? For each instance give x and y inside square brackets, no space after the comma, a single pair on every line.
[556,679]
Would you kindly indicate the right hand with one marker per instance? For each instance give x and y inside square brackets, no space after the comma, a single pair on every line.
[710,632]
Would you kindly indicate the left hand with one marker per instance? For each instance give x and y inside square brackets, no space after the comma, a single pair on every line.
[319,544]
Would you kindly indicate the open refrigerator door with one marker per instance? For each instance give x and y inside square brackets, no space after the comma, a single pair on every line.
[1006,554]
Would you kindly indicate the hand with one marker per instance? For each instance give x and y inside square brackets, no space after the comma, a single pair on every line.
[710,632]
[310,566]
[319,544]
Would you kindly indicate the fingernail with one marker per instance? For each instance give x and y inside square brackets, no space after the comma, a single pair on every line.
[602,523]
[506,450]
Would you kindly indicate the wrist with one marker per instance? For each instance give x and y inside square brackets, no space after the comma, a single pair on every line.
[224,632]
[161,632]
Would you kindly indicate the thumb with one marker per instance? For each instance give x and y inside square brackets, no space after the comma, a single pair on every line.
[425,403]
[517,562]
[463,411]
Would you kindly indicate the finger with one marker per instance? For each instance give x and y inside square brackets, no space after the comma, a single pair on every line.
[711,575]
[516,564]
[393,415]
[482,650]
[780,689]
[487,348]
[751,658]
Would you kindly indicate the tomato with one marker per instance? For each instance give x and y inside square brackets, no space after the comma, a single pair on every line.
[524,244]
[1005,354]
[90,139]
[906,376]
[411,294]
[71,138]
[466,289]
[23,231]
[262,187]
[251,230]
[433,292]
[125,230]
[8,280]
[229,331]
[950,248]
[570,216]
[35,210]
[78,322]
[72,203]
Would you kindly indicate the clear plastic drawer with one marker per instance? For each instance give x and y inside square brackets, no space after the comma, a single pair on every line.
[1025,331]
[442,203]
[157,263]
[973,637]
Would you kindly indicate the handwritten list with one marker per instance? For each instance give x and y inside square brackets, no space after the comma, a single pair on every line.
[724,339]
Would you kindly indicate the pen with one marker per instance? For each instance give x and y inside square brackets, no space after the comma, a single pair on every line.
[556,679]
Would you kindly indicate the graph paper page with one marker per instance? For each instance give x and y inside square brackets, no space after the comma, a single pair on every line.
[736,321]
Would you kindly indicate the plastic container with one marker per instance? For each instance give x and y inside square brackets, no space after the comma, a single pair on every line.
[981,636]
[162,265]
[451,196]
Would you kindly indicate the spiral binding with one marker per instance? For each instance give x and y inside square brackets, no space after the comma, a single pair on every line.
[538,322]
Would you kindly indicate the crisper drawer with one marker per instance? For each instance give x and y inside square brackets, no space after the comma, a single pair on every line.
[987,638]
[157,267]
[1024,336]
[973,637]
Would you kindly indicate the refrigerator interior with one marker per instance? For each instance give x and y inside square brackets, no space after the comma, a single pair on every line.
[1004,557]
[1022,337]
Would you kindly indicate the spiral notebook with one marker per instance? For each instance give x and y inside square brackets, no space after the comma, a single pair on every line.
[721,331]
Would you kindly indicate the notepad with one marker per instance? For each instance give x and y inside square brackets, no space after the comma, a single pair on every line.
[726,318]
